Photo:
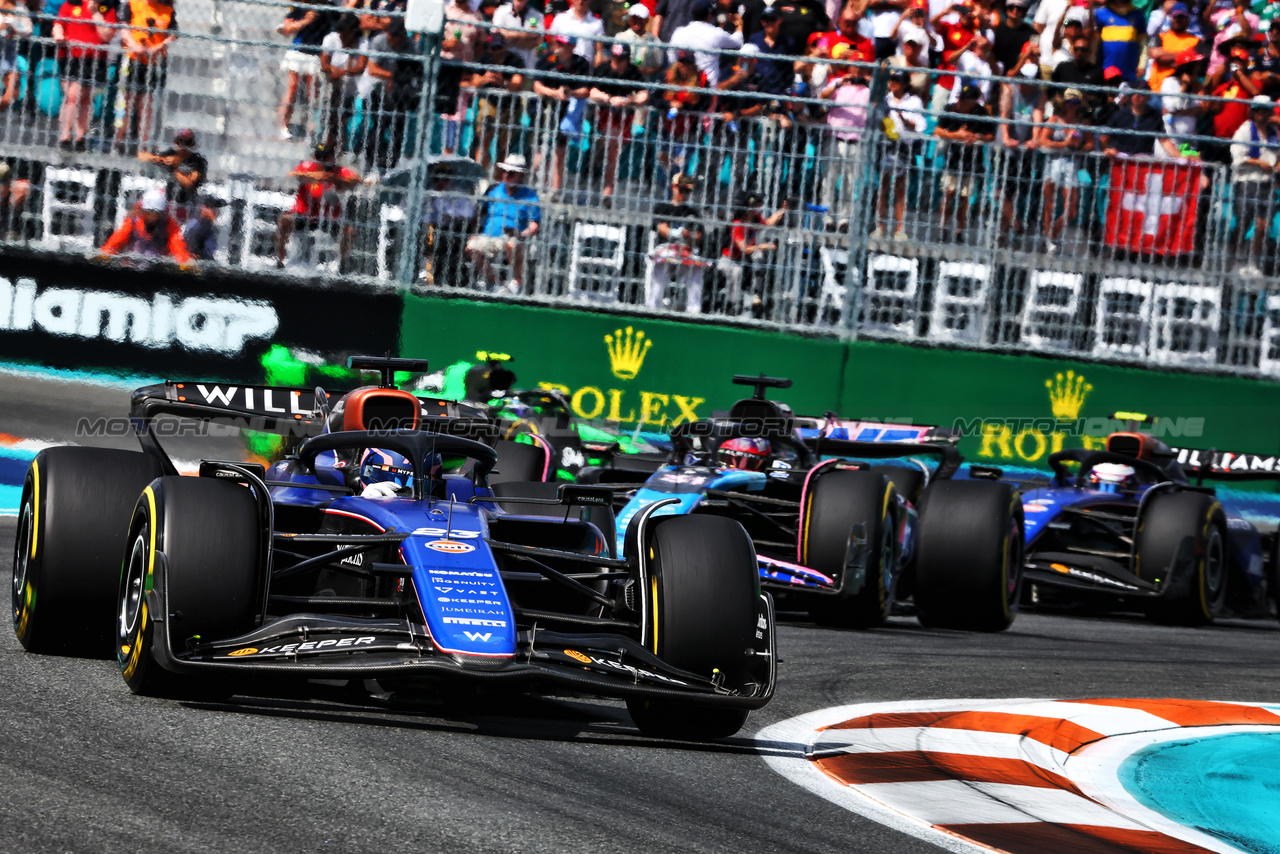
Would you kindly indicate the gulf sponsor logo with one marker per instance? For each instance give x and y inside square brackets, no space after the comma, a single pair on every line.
[452,547]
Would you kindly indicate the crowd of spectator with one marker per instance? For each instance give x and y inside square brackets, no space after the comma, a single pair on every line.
[1043,82]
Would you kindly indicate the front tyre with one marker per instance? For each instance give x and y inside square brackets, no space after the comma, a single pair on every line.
[73,522]
[703,598]
[204,536]
[969,556]
[1183,533]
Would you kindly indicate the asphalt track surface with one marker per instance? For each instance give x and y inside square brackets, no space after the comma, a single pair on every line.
[88,767]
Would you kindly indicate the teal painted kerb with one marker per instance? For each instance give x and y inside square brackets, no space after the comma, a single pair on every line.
[1226,785]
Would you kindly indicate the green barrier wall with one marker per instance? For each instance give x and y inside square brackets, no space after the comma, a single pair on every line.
[628,369]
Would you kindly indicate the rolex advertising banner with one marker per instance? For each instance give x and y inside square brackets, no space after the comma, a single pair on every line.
[1014,410]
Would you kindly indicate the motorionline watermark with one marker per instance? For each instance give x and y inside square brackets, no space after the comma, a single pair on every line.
[231,426]
[1093,428]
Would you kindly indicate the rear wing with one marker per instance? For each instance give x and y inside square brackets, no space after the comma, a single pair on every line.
[1227,465]
[830,427]
[948,455]
[268,409]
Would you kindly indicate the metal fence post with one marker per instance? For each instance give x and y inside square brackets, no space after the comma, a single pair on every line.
[425,17]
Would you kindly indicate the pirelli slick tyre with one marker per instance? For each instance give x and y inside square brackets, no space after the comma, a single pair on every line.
[838,504]
[704,590]
[195,542]
[520,462]
[1184,533]
[73,522]
[969,555]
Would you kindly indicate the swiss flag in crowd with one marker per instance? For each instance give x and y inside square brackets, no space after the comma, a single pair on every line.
[1152,206]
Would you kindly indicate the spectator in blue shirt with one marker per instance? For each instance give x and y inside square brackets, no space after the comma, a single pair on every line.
[511,219]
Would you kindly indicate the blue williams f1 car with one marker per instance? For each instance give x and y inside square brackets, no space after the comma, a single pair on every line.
[847,517]
[1127,527]
[377,549]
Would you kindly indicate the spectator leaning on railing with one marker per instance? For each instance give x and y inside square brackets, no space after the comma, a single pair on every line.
[83,29]
[904,123]
[201,231]
[497,107]
[1064,140]
[1022,104]
[563,117]
[966,126]
[618,88]
[678,234]
[1253,159]
[1143,123]
[149,231]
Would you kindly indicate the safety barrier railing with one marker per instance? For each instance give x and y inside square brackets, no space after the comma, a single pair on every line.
[790,219]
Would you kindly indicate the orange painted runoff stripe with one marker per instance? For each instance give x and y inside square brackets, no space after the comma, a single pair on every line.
[914,766]
[1057,733]
[1194,712]
[1040,837]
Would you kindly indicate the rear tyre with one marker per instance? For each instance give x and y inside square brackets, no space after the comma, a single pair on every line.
[703,599]
[1183,533]
[520,461]
[207,533]
[839,502]
[72,526]
[969,551]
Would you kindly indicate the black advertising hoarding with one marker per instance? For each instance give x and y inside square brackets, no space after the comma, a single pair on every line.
[73,313]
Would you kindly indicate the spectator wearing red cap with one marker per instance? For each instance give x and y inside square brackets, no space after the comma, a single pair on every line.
[1180,110]
[558,78]
[1253,160]
[584,26]
[82,30]
[618,88]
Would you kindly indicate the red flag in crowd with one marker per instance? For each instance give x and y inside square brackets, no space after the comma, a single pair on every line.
[1152,206]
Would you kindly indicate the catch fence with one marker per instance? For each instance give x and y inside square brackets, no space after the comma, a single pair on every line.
[793,220]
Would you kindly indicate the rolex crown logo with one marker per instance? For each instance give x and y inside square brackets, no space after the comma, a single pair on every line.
[626,352]
[1066,395]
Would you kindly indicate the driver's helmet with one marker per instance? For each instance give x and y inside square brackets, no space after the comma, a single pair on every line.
[379,466]
[744,453]
[1112,477]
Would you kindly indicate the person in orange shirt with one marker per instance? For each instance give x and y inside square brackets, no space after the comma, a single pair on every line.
[155,25]
[1169,45]
[149,231]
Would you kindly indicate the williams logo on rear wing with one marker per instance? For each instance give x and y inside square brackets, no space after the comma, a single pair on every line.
[1226,465]
[271,409]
